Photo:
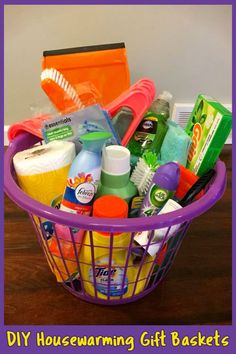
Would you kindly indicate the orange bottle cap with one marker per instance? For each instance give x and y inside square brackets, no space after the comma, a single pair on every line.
[110,206]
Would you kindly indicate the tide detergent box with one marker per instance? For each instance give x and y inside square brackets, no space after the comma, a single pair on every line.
[208,126]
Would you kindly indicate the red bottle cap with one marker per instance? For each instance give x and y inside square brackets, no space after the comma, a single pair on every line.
[110,206]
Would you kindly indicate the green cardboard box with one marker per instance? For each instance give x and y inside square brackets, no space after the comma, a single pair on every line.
[209,126]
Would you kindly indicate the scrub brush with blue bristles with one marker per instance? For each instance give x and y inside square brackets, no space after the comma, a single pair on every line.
[144,171]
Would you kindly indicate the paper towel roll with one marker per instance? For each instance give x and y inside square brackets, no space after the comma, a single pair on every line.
[42,171]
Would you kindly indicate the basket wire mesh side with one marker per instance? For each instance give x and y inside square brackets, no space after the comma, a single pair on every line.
[70,275]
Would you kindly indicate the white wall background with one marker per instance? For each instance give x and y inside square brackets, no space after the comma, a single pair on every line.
[185,49]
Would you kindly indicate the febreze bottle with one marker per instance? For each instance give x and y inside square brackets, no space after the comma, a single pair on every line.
[84,174]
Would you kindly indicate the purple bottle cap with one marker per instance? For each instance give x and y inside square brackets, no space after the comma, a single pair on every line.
[167,176]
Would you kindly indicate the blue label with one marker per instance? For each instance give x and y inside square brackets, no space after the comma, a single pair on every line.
[116,275]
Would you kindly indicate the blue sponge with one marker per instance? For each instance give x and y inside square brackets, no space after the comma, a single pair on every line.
[175,145]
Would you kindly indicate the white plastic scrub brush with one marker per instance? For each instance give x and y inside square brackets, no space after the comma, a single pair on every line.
[144,171]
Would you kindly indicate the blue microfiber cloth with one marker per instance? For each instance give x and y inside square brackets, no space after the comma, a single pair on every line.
[175,145]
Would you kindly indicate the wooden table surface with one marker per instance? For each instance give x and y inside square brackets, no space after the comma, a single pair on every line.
[197,290]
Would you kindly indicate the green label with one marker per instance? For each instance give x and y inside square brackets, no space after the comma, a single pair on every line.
[59,133]
[158,196]
[202,127]
[144,136]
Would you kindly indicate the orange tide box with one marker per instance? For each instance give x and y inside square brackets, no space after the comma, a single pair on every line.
[209,126]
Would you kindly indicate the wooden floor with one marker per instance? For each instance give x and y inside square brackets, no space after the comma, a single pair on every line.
[196,291]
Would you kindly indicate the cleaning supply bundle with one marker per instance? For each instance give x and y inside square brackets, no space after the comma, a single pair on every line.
[208,126]
[113,265]
[115,175]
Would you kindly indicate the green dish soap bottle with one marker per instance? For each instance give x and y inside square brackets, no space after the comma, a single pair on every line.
[152,129]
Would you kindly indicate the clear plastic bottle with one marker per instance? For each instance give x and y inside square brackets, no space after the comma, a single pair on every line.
[161,106]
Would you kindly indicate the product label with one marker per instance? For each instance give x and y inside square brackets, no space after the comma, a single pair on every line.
[134,206]
[157,198]
[80,192]
[197,133]
[146,131]
[71,126]
[142,238]
[144,136]
[102,275]
[203,125]
[85,192]
[59,133]
[207,142]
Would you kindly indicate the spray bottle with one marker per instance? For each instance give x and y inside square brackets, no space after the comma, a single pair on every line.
[84,174]
[163,187]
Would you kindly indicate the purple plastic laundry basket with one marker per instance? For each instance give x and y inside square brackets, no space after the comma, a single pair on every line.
[158,266]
